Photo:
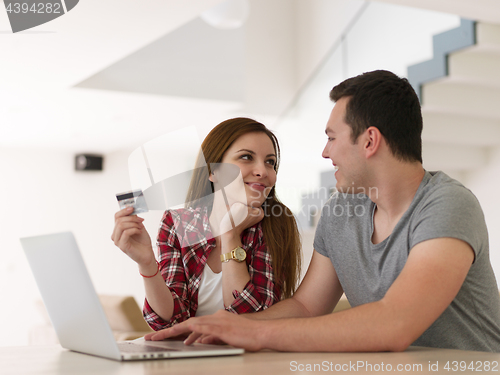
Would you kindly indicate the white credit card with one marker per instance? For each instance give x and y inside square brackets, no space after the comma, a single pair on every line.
[134,199]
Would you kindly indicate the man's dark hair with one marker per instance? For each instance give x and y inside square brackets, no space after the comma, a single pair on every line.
[387,102]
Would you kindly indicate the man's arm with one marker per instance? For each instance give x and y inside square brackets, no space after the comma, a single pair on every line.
[431,278]
[318,294]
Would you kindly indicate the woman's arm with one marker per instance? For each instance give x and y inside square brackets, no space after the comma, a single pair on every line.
[237,277]
[131,237]
[158,296]
[261,290]
[170,280]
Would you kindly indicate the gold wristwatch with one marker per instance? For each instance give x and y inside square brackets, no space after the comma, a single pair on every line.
[237,254]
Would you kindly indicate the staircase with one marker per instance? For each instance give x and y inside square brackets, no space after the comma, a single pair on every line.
[461,110]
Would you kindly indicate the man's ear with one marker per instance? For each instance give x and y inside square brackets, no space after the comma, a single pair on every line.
[372,141]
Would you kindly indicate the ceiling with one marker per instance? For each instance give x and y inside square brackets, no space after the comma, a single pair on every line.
[111,74]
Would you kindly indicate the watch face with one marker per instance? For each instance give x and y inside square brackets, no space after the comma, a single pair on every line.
[240,254]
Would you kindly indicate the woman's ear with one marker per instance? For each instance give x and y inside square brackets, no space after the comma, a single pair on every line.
[211,177]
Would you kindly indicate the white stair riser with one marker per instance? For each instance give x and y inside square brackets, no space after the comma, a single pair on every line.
[438,156]
[463,98]
[487,33]
[460,130]
[476,63]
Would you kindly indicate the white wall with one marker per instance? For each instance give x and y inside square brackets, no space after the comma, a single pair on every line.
[43,194]
[385,37]
[485,184]
[318,24]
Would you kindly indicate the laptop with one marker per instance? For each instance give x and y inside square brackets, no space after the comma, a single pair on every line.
[76,313]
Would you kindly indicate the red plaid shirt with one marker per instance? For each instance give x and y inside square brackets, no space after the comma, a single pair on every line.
[182,265]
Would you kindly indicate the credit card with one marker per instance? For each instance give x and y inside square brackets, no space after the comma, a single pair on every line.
[134,199]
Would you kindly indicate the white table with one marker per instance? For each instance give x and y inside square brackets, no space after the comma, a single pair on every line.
[54,360]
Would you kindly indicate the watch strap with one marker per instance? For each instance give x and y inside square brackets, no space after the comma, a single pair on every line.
[226,257]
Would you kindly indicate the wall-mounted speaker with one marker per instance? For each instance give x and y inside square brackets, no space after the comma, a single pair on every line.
[86,162]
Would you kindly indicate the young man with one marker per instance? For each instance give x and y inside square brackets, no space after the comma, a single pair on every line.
[408,247]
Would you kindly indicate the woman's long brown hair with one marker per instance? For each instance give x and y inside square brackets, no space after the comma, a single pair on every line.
[279,226]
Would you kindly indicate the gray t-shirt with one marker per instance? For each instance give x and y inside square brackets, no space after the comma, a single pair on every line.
[442,207]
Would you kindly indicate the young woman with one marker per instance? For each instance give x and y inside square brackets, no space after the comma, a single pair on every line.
[235,246]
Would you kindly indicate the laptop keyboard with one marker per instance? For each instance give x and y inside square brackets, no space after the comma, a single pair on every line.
[134,348]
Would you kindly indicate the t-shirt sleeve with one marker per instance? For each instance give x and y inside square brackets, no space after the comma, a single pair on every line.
[450,212]
[319,236]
